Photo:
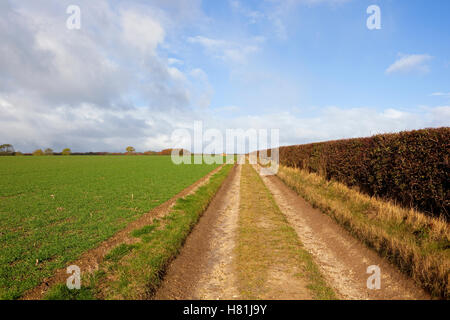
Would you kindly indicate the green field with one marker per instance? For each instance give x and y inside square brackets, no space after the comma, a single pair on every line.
[54,208]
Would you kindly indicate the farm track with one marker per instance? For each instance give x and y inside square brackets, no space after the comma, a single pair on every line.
[342,259]
[203,269]
[221,249]
[90,260]
[206,267]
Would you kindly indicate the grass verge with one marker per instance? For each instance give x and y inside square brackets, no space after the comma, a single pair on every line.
[135,271]
[419,245]
[270,260]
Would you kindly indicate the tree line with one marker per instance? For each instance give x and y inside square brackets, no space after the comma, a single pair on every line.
[8,150]
[49,152]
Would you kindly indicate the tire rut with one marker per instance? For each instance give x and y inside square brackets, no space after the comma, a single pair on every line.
[203,269]
[342,259]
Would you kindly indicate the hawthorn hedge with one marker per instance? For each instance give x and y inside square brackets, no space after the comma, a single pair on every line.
[411,167]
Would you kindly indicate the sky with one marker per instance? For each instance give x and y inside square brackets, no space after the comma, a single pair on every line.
[136,71]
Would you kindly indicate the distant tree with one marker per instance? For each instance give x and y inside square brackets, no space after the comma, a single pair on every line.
[18,153]
[184,152]
[38,152]
[130,150]
[6,150]
[165,152]
[66,152]
[181,152]
[48,152]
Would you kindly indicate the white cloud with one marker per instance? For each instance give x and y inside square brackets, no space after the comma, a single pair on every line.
[228,51]
[112,84]
[409,63]
[253,16]
[338,123]
[441,116]
[172,61]
[230,109]
[95,88]
[393,114]
[199,74]
[141,31]
[87,127]
[176,74]
[277,12]
[211,44]
[441,94]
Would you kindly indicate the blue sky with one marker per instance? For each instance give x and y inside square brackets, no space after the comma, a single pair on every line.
[136,71]
[327,56]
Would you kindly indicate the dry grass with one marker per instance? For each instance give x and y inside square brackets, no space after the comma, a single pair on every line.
[419,245]
[271,262]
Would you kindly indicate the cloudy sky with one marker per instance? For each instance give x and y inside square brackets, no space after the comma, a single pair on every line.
[138,70]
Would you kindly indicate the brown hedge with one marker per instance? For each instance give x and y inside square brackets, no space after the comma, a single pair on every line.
[411,167]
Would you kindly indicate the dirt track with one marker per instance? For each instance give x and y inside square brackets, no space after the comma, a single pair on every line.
[205,269]
[342,259]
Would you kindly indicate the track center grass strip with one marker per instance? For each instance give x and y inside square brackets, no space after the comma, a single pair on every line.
[271,262]
[135,271]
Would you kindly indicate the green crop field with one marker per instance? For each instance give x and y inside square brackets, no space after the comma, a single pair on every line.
[54,208]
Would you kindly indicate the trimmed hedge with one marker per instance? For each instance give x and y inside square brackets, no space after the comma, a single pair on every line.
[411,167]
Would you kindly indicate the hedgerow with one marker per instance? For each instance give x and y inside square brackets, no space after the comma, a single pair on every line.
[411,167]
